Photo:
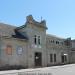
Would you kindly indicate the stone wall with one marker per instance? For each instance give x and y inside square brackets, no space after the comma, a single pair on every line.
[14,58]
[55,45]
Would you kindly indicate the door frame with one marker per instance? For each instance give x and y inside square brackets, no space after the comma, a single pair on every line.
[38,59]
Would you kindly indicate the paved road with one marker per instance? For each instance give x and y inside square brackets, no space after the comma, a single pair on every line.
[56,70]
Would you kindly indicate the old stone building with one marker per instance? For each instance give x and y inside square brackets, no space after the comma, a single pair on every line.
[30,46]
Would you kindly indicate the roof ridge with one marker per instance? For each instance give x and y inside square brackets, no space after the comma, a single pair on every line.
[7,24]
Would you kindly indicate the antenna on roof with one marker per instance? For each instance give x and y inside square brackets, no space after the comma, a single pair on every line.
[41,18]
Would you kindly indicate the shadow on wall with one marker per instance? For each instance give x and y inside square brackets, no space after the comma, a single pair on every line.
[12,67]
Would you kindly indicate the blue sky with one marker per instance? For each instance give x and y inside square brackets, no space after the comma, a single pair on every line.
[59,14]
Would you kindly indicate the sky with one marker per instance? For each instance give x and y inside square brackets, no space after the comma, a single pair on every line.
[59,14]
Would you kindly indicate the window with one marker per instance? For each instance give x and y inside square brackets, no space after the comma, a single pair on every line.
[35,39]
[39,41]
[65,58]
[19,50]
[54,57]
[51,57]
[57,42]
[9,50]
[52,41]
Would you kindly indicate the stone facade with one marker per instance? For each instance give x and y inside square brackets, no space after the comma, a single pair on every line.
[30,46]
[56,45]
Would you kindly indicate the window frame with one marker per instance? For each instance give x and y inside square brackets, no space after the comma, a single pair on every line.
[51,58]
[54,57]
[8,49]
[37,40]
[19,49]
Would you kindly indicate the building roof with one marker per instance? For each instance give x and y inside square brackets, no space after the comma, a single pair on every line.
[54,36]
[7,30]
[19,35]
